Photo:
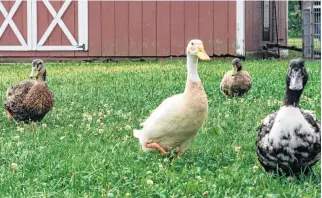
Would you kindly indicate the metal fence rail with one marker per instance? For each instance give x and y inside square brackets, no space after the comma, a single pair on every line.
[311,29]
[317,29]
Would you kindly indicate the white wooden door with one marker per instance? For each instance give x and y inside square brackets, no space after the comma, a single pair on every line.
[37,42]
[8,14]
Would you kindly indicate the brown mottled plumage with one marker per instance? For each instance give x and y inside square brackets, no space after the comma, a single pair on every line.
[236,82]
[32,99]
[19,90]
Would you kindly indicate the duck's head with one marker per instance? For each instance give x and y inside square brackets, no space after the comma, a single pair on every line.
[237,66]
[297,76]
[195,48]
[38,70]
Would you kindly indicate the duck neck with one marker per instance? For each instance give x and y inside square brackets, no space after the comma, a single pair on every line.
[292,98]
[192,68]
[41,78]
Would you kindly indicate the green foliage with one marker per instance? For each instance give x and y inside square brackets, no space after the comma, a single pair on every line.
[85,148]
[294,19]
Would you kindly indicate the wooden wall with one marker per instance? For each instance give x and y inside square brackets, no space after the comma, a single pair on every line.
[254,24]
[138,29]
[160,28]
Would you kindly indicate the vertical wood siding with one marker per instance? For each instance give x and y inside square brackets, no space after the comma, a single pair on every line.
[135,29]
[162,28]
[254,24]
[253,21]
[177,42]
[282,21]
[146,28]
[149,28]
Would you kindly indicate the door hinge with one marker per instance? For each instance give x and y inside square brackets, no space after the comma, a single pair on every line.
[81,46]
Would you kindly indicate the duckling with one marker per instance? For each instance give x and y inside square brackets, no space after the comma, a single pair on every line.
[289,140]
[175,123]
[30,100]
[237,81]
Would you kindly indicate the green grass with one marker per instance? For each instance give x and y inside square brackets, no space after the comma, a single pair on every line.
[76,156]
[297,42]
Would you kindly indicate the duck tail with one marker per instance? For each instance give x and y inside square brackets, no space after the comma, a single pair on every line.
[142,124]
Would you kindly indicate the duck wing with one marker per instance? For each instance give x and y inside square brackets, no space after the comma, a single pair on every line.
[19,91]
[226,83]
[14,99]
[244,80]
[310,117]
[165,111]
[38,101]
[266,126]
[164,116]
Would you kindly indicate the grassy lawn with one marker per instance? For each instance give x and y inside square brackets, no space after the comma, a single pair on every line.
[297,42]
[85,148]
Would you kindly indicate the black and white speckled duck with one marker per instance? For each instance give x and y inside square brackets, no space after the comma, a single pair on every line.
[289,140]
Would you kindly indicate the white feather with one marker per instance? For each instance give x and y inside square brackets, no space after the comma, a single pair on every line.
[176,121]
[288,119]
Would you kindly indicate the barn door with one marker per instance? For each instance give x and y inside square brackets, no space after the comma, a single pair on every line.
[15,29]
[57,35]
[44,25]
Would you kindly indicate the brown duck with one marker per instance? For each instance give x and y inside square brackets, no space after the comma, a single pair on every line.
[237,81]
[30,100]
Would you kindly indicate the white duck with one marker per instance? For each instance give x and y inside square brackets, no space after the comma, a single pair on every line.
[175,123]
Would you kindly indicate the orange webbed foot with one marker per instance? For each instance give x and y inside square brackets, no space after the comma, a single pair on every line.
[156,146]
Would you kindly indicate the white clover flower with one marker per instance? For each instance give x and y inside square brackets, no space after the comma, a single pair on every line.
[127,127]
[255,168]
[90,118]
[149,181]
[14,166]
[237,149]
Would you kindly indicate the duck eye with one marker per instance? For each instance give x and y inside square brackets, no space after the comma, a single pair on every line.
[191,43]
